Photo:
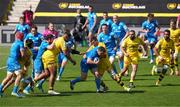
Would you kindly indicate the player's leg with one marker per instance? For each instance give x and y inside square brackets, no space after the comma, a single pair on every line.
[52,70]
[19,75]
[164,63]
[111,59]
[84,71]
[5,81]
[176,60]
[152,42]
[127,62]
[97,79]
[39,70]
[61,66]
[133,74]
[162,74]
[10,82]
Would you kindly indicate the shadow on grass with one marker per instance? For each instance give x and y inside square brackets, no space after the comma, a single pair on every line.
[153,85]
[170,84]
[146,75]
[85,92]
[47,95]
[140,79]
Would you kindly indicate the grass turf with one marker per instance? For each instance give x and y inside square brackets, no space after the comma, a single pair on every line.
[145,93]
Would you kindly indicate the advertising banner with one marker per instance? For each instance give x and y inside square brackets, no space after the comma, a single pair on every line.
[130,11]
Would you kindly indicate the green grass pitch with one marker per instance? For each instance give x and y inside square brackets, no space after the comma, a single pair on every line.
[145,93]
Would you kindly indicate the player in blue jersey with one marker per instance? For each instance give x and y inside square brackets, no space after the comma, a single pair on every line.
[109,41]
[13,66]
[24,62]
[38,66]
[119,30]
[105,20]
[89,63]
[37,39]
[22,27]
[91,22]
[151,28]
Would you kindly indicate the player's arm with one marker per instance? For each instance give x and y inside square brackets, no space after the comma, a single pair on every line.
[95,21]
[85,24]
[67,54]
[15,30]
[22,51]
[172,54]
[157,28]
[145,50]
[123,48]
[144,29]
[99,29]
[178,21]
[127,34]
[156,50]
[90,61]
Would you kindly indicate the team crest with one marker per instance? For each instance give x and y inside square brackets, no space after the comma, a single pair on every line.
[116,6]
[63,5]
[171,6]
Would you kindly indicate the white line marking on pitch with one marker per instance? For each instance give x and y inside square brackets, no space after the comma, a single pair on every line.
[3,67]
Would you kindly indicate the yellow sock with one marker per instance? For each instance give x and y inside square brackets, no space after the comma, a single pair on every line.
[131,81]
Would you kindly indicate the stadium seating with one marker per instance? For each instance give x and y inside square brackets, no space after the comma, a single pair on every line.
[5,7]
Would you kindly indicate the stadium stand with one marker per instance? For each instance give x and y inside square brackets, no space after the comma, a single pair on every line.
[5,7]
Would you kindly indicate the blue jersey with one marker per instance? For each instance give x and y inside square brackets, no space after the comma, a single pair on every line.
[108,22]
[15,49]
[119,30]
[109,41]
[42,49]
[92,54]
[37,39]
[23,28]
[91,18]
[70,43]
[151,26]
[14,55]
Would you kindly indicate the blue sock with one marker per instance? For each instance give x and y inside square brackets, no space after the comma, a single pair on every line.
[151,54]
[28,88]
[33,74]
[40,83]
[78,79]
[114,67]
[15,89]
[98,81]
[61,70]
[1,87]
[121,65]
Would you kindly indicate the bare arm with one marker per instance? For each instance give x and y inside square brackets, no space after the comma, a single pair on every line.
[85,24]
[123,49]
[67,54]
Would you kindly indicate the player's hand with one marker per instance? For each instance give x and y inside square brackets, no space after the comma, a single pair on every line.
[36,48]
[73,62]
[177,44]
[115,48]
[144,54]
[81,53]
[160,58]
[126,54]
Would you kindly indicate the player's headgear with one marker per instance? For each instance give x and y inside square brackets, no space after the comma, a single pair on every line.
[19,35]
